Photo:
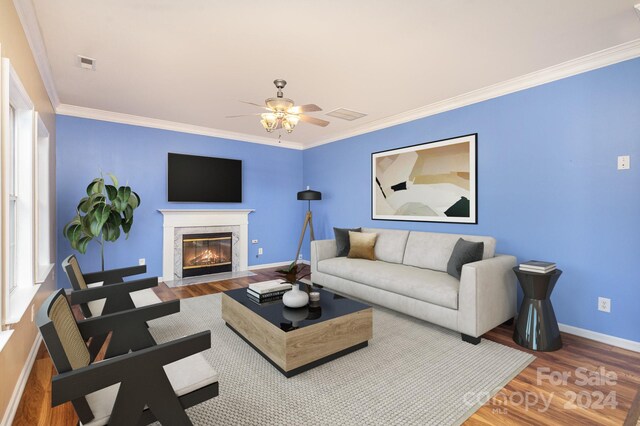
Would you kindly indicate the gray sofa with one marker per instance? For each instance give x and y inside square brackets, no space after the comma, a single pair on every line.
[409,275]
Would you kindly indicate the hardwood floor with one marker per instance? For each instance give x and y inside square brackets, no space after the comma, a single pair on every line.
[534,397]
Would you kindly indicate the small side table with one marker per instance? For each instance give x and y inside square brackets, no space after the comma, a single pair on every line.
[537,327]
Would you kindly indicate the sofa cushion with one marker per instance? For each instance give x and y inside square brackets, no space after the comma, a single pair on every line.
[429,286]
[342,240]
[464,252]
[362,245]
[433,250]
[390,244]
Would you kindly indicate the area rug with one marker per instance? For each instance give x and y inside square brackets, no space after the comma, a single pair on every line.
[412,373]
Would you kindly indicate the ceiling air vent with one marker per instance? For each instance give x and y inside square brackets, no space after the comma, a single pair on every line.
[346,114]
[87,63]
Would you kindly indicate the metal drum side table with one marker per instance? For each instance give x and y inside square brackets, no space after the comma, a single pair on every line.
[537,327]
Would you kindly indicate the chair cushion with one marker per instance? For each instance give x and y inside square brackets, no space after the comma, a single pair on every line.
[433,250]
[186,375]
[140,298]
[390,244]
[426,285]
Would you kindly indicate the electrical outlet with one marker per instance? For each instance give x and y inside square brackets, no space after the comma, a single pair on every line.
[299,257]
[624,162]
[260,252]
[142,261]
[604,304]
[254,241]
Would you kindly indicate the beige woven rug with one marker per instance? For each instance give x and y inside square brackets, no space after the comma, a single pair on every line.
[412,373]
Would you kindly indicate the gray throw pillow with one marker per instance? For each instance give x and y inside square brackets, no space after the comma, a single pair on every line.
[464,252]
[342,240]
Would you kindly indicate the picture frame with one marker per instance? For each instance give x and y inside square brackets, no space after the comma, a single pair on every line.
[429,182]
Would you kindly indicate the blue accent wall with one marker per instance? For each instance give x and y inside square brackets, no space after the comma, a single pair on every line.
[548,187]
[138,156]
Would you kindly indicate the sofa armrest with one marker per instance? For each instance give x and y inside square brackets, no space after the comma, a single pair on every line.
[321,250]
[487,296]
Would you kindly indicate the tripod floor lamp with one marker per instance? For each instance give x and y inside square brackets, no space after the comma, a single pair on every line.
[308,195]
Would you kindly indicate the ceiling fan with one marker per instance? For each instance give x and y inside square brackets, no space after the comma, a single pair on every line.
[283,114]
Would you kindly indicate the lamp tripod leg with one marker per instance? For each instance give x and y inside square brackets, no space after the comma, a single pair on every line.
[304,229]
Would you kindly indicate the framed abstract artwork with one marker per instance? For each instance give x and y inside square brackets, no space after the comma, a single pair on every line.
[430,182]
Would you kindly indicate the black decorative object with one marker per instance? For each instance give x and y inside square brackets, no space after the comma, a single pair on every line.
[537,327]
[307,195]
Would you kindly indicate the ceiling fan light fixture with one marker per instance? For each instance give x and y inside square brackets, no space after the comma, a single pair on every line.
[269,121]
[289,122]
[279,104]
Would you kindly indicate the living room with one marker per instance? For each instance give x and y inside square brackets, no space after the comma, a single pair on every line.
[371,183]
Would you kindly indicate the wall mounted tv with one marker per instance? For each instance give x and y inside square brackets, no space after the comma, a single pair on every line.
[193,178]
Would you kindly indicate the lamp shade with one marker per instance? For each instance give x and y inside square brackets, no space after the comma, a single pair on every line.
[309,195]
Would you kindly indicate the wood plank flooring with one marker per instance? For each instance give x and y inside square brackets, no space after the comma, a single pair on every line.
[521,401]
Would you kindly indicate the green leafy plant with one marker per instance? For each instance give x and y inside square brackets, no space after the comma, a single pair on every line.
[101,215]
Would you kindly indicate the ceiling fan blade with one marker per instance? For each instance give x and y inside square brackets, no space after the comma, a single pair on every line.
[242,115]
[314,121]
[304,108]
[252,103]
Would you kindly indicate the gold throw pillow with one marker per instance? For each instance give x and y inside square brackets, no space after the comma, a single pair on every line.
[362,245]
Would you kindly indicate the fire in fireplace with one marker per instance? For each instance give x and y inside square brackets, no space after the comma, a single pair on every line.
[206,253]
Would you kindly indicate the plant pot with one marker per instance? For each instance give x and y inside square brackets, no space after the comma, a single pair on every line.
[295,298]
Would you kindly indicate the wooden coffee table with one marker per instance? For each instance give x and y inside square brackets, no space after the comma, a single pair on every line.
[296,340]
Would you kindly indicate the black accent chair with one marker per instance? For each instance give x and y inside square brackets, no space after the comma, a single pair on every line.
[106,292]
[154,383]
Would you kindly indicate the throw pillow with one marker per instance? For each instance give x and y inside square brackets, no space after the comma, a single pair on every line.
[464,252]
[342,240]
[362,245]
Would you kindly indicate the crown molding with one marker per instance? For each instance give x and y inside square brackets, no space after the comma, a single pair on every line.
[592,61]
[136,120]
[31,28]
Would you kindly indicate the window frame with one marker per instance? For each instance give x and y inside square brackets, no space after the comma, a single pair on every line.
[14,300]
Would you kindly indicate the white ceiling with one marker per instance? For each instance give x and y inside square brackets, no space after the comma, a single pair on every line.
[192,61]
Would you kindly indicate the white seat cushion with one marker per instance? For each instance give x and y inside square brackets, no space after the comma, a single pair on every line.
[427,285]
[144,297]
[186,375]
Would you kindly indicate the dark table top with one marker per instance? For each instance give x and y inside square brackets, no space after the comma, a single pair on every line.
[330,306]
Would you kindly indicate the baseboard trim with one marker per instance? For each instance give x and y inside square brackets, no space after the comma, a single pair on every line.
[14,402]
[601,337]
[275,264]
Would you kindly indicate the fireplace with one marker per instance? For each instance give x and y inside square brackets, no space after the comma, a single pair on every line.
[204,254]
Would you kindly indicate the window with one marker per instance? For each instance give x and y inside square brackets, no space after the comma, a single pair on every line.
[17,187]
[13,200]
[43,262]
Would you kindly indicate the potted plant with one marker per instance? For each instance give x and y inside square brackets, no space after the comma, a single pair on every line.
[101,215]
[295,298]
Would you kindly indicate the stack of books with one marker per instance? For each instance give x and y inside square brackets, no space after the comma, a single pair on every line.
[538,266]
[267,291]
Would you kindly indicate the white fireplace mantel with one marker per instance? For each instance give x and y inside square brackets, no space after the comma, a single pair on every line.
[184,218]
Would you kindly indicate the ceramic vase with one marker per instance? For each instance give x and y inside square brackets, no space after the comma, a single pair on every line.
[295,298]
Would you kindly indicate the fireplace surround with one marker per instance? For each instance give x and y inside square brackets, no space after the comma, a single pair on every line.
[178,222]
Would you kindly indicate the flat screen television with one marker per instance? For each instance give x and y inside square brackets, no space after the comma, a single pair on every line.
[192,178]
